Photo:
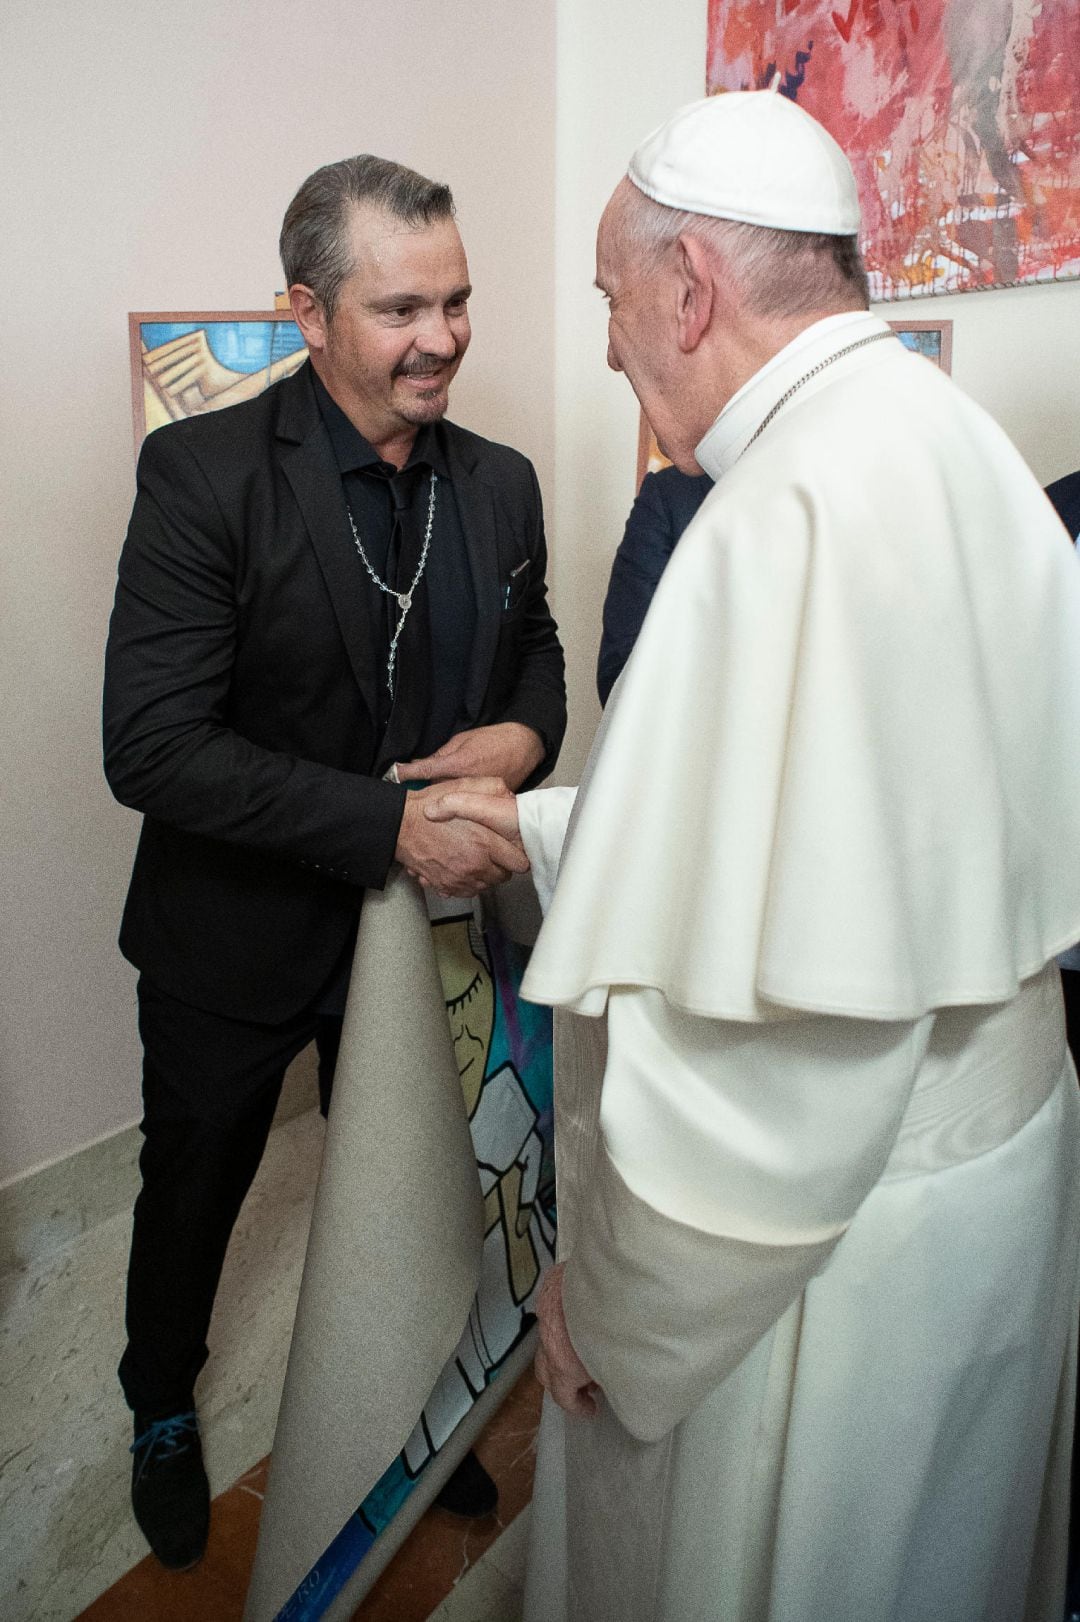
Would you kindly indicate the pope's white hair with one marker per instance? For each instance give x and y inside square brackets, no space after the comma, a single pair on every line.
[780,273]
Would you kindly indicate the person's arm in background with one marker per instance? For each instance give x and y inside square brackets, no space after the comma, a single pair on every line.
[1064,497]
[665,504]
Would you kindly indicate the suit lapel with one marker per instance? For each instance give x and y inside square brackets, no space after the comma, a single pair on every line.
[479,522]
[307,461]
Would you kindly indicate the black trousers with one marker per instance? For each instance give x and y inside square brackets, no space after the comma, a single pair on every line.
[210,1088]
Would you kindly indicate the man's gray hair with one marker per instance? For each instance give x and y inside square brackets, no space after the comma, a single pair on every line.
[314,242]
[782,273]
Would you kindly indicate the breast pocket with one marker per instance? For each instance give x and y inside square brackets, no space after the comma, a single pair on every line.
[515,587]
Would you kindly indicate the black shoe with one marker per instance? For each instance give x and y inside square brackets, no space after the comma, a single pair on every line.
[169,1490]
[469,1492]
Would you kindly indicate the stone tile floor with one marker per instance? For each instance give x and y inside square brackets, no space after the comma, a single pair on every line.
[69,1547]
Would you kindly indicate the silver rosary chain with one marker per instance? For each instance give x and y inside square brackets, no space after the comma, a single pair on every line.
[403,598]
[813,372]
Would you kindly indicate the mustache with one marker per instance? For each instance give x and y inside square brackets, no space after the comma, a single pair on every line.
[419,368]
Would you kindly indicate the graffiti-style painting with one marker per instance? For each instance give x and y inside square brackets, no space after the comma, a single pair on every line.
[961,119]
[184,363]
[504,1060]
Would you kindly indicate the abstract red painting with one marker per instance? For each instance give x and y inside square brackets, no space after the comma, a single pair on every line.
[961,118]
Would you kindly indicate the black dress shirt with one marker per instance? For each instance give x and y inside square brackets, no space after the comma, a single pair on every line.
[444,603]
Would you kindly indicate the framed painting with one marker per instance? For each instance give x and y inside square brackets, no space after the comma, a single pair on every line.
[961,120]
[187,362]
[930,338]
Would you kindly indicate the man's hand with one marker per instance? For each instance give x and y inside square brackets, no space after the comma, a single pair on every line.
[558,1367]
[455,856]
[509,750]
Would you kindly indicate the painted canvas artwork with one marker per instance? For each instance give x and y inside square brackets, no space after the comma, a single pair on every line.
[931,339]
[961,119]
[187,362]
[504,1057]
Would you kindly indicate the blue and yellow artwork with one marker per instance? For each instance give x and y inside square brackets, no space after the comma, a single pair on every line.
[504,1059]
[187,363]
[926,339]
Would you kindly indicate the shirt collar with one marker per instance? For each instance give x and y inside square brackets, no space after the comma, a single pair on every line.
[749,406]
[354,454]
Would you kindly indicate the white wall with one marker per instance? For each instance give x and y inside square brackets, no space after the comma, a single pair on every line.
[151,150]
[623,66]
[1017,351]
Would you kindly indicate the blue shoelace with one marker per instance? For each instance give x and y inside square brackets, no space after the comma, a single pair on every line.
[166,1437]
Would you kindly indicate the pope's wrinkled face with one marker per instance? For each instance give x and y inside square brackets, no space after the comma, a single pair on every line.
[400,326]
[623,292]
[639,298]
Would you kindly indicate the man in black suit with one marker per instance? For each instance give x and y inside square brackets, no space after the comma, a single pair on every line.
[316,585]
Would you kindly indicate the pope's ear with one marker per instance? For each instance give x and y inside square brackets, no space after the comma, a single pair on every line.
[309,315]
[695,289]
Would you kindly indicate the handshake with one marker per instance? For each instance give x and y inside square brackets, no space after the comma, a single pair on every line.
[460,835]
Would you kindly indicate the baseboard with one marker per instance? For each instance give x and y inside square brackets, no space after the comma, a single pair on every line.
[49,1207]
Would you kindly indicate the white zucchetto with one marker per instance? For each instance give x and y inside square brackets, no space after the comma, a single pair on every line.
[750,155]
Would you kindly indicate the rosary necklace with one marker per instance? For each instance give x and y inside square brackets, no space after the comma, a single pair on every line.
[403,598]
[813,372]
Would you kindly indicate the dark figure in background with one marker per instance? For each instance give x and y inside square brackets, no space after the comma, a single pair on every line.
[664,506]
[1065,495]
[316,584]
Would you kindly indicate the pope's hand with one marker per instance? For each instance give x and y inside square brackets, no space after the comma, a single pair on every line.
[450,853]
[558,1367]
[481,800]
[508,750]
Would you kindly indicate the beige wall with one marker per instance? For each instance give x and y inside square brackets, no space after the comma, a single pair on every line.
[1017,351]
[157,147]
[623,66]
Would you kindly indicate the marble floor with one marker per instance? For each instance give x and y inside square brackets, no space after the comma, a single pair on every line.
[490,1591]
[69,1547]
[447,1569]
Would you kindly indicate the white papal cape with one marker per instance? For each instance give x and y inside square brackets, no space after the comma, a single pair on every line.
[818,1137]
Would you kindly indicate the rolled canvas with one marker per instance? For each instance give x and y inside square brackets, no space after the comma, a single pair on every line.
[388,1280]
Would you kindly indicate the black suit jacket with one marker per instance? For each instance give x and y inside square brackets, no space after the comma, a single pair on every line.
[240,693]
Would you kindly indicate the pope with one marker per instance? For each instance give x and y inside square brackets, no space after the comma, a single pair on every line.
[811,1343]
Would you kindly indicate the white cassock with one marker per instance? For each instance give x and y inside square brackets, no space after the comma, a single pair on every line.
[817,1134]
